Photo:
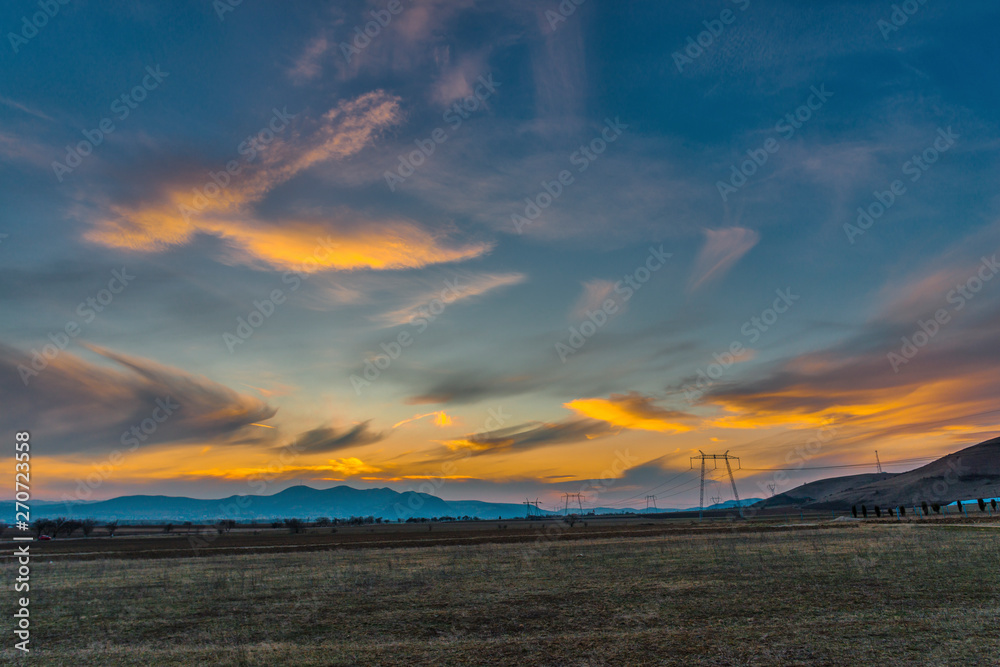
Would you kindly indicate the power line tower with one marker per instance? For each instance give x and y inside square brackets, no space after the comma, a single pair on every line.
[527,508]
[716,500]
[878,464]
[771,487]
[579,500]
[715,458]
[653,500]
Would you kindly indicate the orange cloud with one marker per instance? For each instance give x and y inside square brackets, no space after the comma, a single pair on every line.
[632,411]
[351,467]
[186,208]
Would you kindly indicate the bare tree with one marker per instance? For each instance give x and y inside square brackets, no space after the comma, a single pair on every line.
[111,527]
[70,526]
[56,525]
[40,526]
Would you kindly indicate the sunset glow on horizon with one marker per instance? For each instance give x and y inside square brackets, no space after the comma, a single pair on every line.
[493,254]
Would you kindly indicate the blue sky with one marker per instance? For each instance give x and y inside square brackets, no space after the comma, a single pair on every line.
[641,126]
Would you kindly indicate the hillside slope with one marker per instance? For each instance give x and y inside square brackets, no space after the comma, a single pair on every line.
[973,472]
[823,489]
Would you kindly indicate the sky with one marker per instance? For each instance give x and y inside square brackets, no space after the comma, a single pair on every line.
[495,250]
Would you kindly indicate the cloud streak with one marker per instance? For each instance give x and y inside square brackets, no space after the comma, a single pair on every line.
[78,406]
[722,249]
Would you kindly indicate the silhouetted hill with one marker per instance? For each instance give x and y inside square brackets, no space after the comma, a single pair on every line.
[970,473]
[822,489]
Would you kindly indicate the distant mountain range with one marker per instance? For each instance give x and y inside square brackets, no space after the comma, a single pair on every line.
[304,502]
[971,473]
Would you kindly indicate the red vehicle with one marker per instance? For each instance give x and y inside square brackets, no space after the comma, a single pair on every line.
[44,537]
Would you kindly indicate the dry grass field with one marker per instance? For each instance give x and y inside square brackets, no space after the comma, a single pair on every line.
[848,594]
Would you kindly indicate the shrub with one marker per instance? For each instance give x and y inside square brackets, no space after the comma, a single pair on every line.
[854,511]
[864,511]
[878,512]
[902,510]
[936,507]
[994,504]
[982,504]
[923,506]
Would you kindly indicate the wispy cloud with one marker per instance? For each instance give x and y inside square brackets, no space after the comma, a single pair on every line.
[441,418]
[14,104]
[308,65]
[722,249]
[595,293]
[347,241]
[325,439]
[530,436]
[79,405]
[466,286]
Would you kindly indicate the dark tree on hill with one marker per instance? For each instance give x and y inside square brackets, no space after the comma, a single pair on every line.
[936,507]
[994,504]
[923,506]
[902,510]
[854,511]
[864,511]
[982,504]
[878,512]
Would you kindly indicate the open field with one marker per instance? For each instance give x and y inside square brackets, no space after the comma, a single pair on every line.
[848,593]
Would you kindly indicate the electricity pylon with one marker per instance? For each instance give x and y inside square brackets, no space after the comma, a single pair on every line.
[579,500]
[527,507]
[651,499]
[878,464]
[715,458]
